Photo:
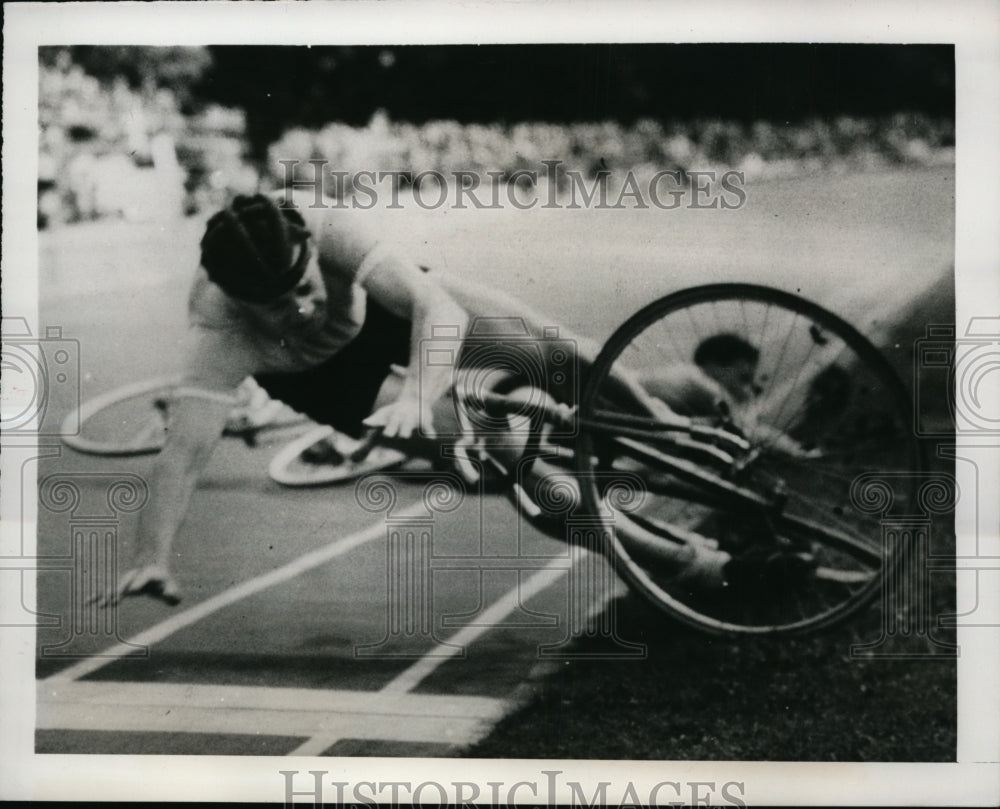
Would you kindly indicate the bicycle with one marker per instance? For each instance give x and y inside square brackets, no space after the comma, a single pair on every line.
[807,551]
[134,420]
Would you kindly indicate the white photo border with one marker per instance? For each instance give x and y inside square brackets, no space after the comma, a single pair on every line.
[972,26]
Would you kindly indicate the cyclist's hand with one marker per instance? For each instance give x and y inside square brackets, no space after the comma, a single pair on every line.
[793,449]
[151,580]
[402,418]
[774,440]
[659,409]
[662,412]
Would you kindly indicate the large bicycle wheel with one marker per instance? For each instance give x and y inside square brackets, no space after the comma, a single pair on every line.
[820,408]
[131,420]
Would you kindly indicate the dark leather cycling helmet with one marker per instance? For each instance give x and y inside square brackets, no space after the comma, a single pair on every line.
[247,248]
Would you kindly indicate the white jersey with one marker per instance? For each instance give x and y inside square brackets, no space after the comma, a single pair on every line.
[230,342]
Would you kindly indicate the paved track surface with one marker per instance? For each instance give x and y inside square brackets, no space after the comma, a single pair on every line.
[298,634]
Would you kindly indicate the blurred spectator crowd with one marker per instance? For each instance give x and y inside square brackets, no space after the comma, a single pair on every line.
[760,150]
[111,150]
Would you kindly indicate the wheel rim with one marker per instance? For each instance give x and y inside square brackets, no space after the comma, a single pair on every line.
[821,383]
[289,469]
[127,421]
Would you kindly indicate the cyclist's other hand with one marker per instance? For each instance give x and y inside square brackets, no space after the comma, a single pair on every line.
[662,412]
[659,409]
[151,580]
[402,418]
[794,449]
[773,440]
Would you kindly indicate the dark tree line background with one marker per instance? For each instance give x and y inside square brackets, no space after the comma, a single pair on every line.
[279,87]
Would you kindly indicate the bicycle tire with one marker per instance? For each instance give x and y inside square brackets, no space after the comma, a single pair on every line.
[132,420]
[96,427]
[850,557]
[288,469]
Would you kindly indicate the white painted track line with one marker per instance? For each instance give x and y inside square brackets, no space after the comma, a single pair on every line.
[393,713]
[246,710]
[164,629]
[409,679]
[412,677]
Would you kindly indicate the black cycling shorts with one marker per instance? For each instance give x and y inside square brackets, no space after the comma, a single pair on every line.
[341,392]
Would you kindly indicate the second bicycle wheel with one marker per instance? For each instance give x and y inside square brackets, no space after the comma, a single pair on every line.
[820,408]
[131,420]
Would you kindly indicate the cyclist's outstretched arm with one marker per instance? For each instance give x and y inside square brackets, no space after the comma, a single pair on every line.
[196,422]
[197,417]
[403,289]
[349,244]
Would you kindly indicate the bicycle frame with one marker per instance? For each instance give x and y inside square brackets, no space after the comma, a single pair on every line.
[628,433]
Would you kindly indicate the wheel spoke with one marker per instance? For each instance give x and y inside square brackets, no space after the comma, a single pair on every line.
[820,384]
